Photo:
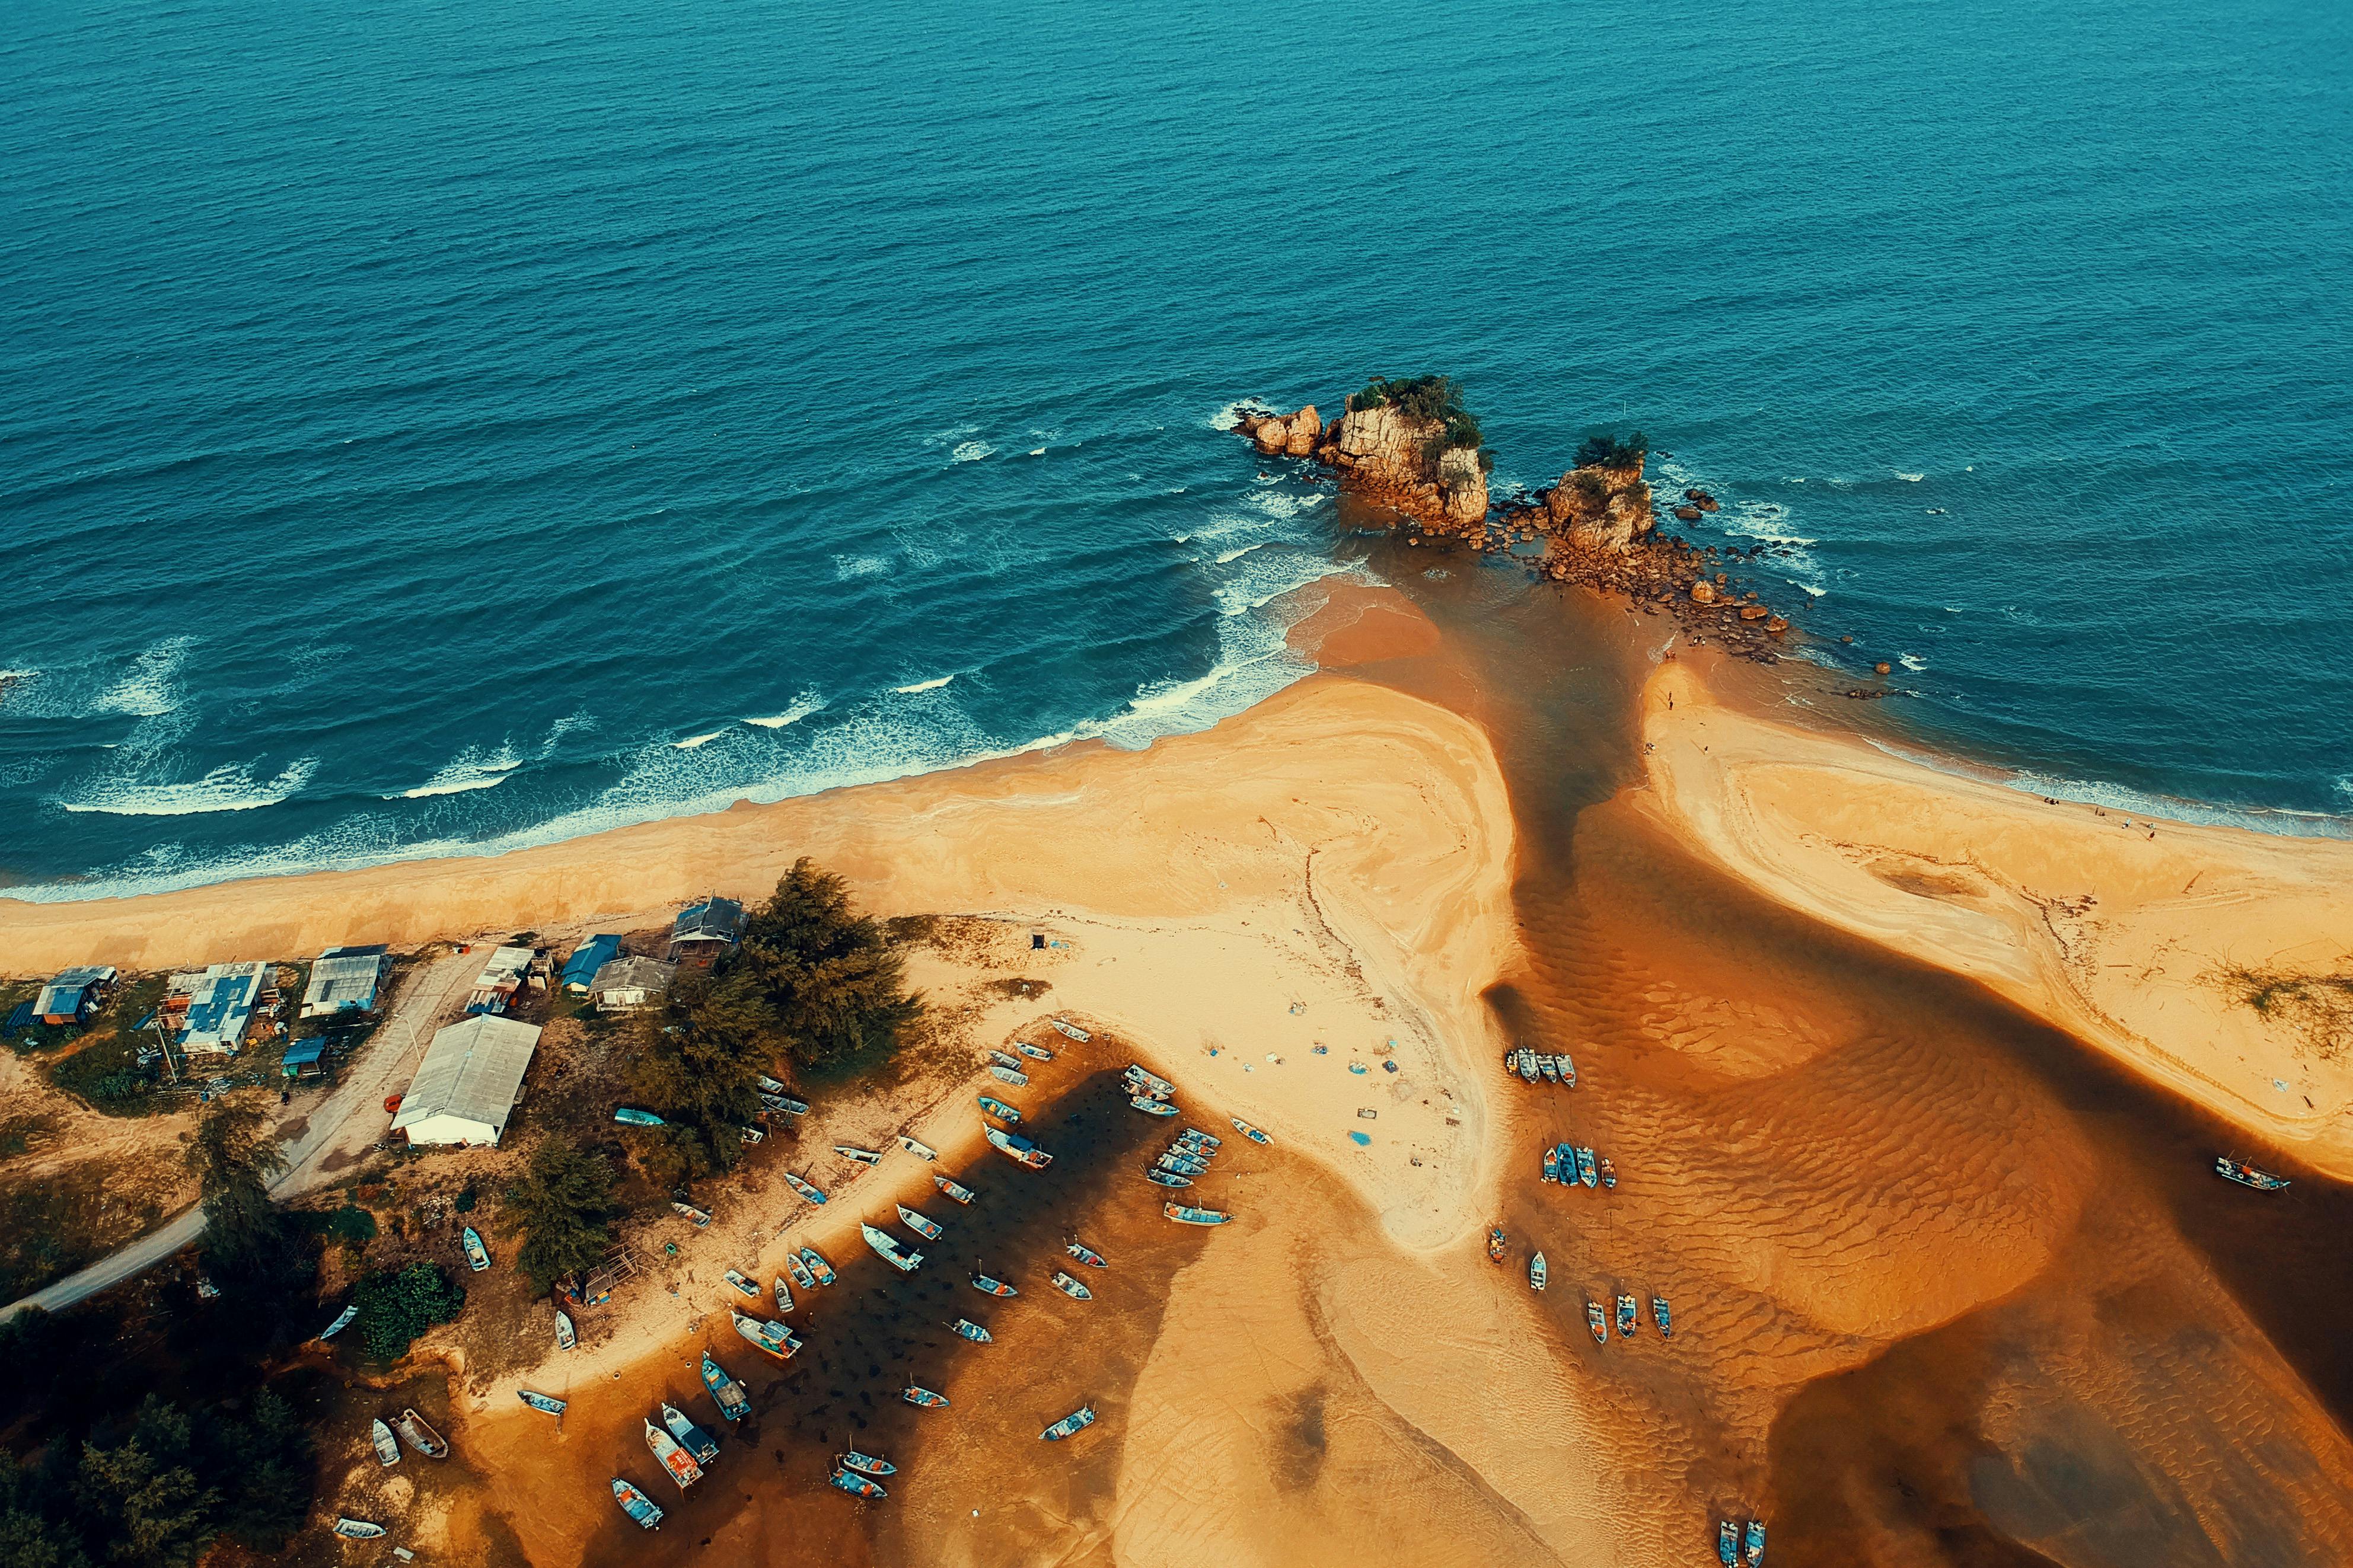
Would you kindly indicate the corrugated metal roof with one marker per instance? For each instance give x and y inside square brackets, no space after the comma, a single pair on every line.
[303,1051]
[86,974]
[346,980]
[220,1005]
[713,920]
[590,956]
[473,1070]
[61,1000]
[633,974]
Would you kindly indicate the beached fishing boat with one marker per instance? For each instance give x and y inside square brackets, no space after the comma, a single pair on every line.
[635,1504]
[923,1152]
[807,1189]
[387,1447]
[855,1485]
[342,1320]
[630,1116]
[1183,1164]
[973,1331]
[1207,1140]
[1537,1272]
[990,1284]
[542,1402]
[1013,1146]
[1077,1420]
[1006,1113]
[886,1247]
[863,1156]
[357,1529]
[819,1269]
[1035,1053]
[1183,1214]
[1527,1066]
[1608,1174]
[1085,1254]
[692,1438]
[784,1104]
[1167,1178]
[2246,1175]
[1755,1543]
[1551,1073]
[1552,1164]
[1254,1134]
[1593,1320]
[1659,1315]
[478,1257]
[700,1217]
[725,1392]
[923,1398]
[675,1461]
[1071,1288]
[929,1229]
[1630,1314]
[566,1339]
[1072,1030]
[770,1337]
[784,1295]
[1568,1070]
[951,1188]
[1013,1076]
[744,1282]
[751,1134]
[1495,1244]
[866,1464]
[1151,1107]
[1005,1059]
[1150,1080]
[1585,1169]
[419,1435]
[799,1271]
[1727,1544]
[769,1088]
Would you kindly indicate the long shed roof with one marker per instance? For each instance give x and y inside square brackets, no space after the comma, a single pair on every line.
[473,1071]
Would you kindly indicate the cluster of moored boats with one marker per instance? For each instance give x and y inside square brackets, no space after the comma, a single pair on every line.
[1534,1066]
[1576,1164]
[1734,1547]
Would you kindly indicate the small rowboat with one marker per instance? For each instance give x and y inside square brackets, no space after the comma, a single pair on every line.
[855,1485]
[1550,1070]
[1182,1215]
[1013,1076]
[357,1529]
[342,1320]
[819,1269]
[674,1460]
[1151,1107]
[1072,1030]
[1167,1179]
[743,1283]
[1552,1164]
[692,1438]
[752,1134]
[886,1247]
[1568,1070]
[1035,1053]
[419,1435]
[799,1271]
[1071,1288]
[1593,1321]
[929,1229]
[387,1447]
[733,1402]
[1537,1272]
[630,1116]
[1728,1543]
[546,1402]
[1608,1174]
[1586,1172]
[852,1152]
[1152,1080]
[2247,1176]
[1083,1416]
[952,1188]
[784,1104]
[1659,1315]
[1756,1544]
[635,1504]
[924,1397]
[702,1217]
[784,1295]
[1084,1254]
[1002,1111]
[1252,1133]
[805,1188]
[1004,1060]
[973,1331]
[923,1151]
[1013,1146]
[990,1287]
[1195,1135]
[478,1257]
[868,1464]
[1184,1165]
[772,1338]
[564,1337]
[1495,1244]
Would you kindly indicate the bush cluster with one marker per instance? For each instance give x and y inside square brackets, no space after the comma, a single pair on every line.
[1429,399]
[1607,452]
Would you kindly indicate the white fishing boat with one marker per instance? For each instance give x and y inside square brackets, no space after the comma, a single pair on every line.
[1072,1030]
[1013,1146]
[1013,1076]
[357,1530]
[923,1151]
[886,1247]
[1151,1107]
[387,1447]
[1071,1288]
[566,1339]
[1035,1053]
[1077,1420]
[852,1152]
[922,1224]
[743,1282]
[419,1435]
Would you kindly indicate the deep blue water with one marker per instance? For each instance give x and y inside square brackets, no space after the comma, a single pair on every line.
[425,428]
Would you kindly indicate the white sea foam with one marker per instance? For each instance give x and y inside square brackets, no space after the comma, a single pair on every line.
[1909,478]
[924,686]
[151,688]
[1912,661]
[1037,451]
[1231,415]
[972,452]
[846,567]
[473,769]
[693,741]
[229,787]
[1236,555]
[807,703]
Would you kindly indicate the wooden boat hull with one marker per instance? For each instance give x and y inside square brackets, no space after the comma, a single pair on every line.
[799,1271]
[867,1465]
[1071,1288]
[545,1403]
[1086,1254]
[1252,1133]
[725,1392]
[387,1447]
[819,1269]
[855,1485]
[923,1398]
[1151,1107]
[1035,1053]
[750,1292]
[863,1156]
[478,1257]
[954,1190]
[1002,1111]
[358,1530]
[637,1505]
[699,1217]
[420,1436]
[1184,1216]
[967,1329]
[1072,1030]
[566,1339]
[689,1437]
[1013,1076]
[923,1151]
[928,1228]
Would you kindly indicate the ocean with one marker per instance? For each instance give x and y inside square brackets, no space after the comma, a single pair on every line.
[430,429]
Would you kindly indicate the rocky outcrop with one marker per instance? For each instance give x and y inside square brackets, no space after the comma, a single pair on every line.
[1285,435]
[1599,509]
[1386,457]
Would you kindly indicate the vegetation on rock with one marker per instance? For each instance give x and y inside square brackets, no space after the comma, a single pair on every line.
[1607,452]
[1429,399]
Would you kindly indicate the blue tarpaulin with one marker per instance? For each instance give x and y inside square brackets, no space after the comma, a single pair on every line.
[303,1054]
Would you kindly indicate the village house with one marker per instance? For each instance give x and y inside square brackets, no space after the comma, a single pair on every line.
[345,980]
[705,930]
[215,1006]
[74,994]
[631,984]
[503,978]
[468,1084]
[580,970]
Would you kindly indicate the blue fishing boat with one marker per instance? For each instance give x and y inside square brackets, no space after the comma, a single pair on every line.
[692,1438]
[1014,1147]
[1002,1111]
[807,1189]
[952,1188]
[819,1269]
[1167,1178]
[855,1485]
[1659,1315]
[929,1229]
[988,1285]
[1183,1164]
[1537,1272]
[1035,1053]
[1552,1165]
[1077,1420]
[1755,1543]
[973,1331]
[631,1117]
[478,1258]
[868,1464]
[1568,1070]
[2246,1175]
[1151,1107]
[342,1320]
[923,1398]
[1727,1544]
[1071,1288]
[635,1504]
[1585,1170]
[1085,1254]
[1551,1071]
[784,1104]
[1207,1140]
[799,1271]
[886,1247]
[748,1287]
[1630,1315]
[1252,1133]
[1183,1214]
[543,1402]
[725,1392]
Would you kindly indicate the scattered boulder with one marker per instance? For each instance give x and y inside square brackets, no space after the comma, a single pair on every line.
[1754,611]
[1700,498]
[1882,667]
[1777,625]
[1702,592]
[1687,513]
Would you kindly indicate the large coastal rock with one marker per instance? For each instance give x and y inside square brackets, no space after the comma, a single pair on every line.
[1602,509]
[1399,461]
[1291,435]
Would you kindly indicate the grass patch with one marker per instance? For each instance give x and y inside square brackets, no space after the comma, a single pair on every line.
[104,1073]
[2317,1008]
[45,1232]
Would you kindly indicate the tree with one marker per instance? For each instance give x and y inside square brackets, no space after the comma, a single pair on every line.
[142,1494]
[700,1063]
[395,1308]
[1607,452]
[234,1156]
[268,1465]
[564,1207]
[831,980]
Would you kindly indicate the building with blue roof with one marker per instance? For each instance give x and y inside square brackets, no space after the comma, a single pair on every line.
[580,969]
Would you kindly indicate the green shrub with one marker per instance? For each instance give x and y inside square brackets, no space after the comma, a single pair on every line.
[352,1226]
[395,1308]
[1607,452]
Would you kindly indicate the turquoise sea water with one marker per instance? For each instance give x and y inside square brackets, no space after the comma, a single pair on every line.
[426,428]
